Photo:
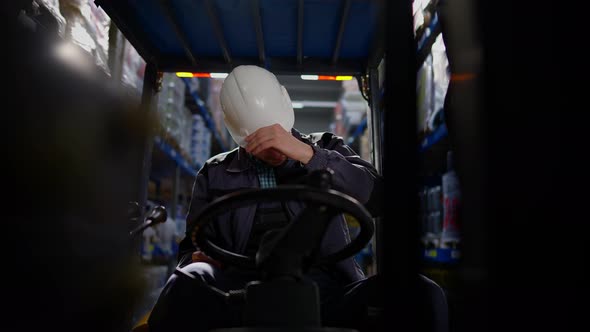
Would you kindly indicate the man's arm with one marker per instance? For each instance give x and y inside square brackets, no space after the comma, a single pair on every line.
[352,175]
[199,199]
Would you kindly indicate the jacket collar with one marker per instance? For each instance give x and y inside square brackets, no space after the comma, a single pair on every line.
[240,162]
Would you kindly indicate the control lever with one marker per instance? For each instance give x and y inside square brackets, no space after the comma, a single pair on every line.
[133,211]
[157,216]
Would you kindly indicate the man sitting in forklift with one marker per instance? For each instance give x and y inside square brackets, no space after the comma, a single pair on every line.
[259,116]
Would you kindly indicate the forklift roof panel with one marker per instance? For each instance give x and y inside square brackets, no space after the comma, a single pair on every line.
[286,36]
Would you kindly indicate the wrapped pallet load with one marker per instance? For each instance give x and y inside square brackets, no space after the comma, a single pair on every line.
[133,68]
[88,27]
[52,6]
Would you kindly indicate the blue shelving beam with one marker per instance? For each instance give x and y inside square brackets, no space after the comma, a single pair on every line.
[360,129]
[440,133]
[442,255]
[434,31]
[206,116]
[427,40]
[177,157]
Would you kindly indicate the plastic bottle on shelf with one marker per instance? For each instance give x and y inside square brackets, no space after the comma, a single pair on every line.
[435,211]
[452,199]
[423,213]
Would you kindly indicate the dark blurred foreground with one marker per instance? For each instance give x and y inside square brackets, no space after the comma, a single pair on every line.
[69,142]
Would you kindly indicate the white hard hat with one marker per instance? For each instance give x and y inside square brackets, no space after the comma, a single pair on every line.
[252,98]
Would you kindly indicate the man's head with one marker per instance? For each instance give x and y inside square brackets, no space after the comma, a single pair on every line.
[252,98]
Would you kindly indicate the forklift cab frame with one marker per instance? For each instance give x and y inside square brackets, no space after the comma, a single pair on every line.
[303,37]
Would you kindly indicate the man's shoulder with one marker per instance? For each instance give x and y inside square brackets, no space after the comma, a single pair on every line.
[223,158]
[326,140]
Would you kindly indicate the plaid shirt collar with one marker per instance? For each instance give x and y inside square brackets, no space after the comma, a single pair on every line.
[266,173]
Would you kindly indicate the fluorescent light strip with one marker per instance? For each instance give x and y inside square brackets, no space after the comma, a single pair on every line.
[314,103]
[309,77]
[202,75]
[325,78]
[184,74]
[219,75]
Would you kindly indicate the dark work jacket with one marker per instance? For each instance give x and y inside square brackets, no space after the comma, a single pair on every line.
[233,170]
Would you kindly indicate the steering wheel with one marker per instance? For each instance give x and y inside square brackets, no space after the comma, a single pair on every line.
[340,202]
